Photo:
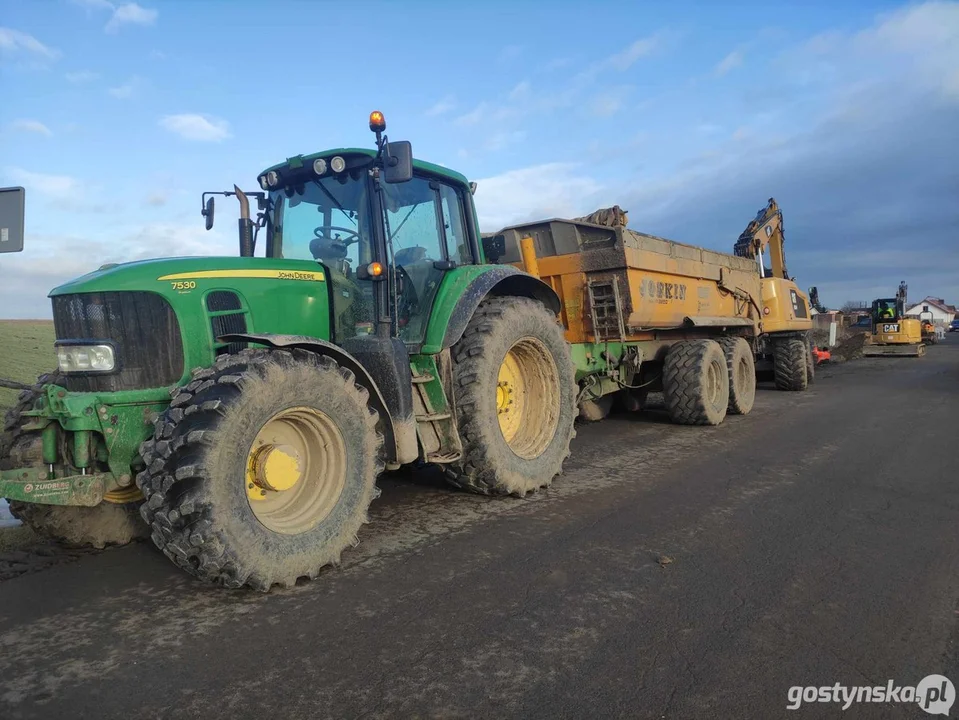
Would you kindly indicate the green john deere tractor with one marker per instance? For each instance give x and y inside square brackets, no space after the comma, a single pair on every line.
[238,410]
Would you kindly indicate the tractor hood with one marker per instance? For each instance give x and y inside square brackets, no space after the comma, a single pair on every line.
[159,275]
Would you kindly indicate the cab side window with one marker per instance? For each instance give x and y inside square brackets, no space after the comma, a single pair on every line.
[424,219]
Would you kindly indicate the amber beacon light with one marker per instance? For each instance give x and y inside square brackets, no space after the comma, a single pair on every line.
[377,121]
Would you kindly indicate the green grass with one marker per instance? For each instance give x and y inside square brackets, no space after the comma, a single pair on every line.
[26,351]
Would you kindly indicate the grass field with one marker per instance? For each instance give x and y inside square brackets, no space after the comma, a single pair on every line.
[26,351]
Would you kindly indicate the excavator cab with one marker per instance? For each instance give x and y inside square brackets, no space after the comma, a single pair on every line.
[892,332]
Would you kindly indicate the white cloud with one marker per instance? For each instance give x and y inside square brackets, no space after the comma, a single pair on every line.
[730,62]
[918,42]
[556,64]
[628,57]
[126,14]
[520,92]
[202,128]
[502,140]
[441,106]
[156,199]
[32,126]
[610,101]
[55,186]
[14,43]
[474,116]
[550,190]
[130,14]
[126,90]
[82,76]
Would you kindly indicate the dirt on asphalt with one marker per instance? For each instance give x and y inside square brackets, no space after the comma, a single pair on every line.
[670,572]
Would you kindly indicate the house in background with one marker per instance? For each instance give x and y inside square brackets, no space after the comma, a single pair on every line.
[936,308]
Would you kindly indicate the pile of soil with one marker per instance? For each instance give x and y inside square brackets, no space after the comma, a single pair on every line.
[849,347]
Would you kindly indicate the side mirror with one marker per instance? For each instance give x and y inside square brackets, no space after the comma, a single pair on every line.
[207,212]
[11,219]
[494,247]
[398,162]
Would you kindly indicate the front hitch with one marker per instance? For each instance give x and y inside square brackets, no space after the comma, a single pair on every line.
[35,486]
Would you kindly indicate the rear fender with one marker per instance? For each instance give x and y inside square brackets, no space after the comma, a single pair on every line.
[497,281]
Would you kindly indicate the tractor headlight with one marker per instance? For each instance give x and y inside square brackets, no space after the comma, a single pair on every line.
[86,358]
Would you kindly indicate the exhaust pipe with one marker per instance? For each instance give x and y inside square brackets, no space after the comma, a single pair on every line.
[245,224]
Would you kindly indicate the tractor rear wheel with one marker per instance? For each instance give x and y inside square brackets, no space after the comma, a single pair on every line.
[262,469]
[514,388]
[696,383]
[790,365]
[742,374]
[109,523]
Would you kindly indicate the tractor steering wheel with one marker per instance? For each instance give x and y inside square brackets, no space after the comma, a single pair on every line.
[352,235]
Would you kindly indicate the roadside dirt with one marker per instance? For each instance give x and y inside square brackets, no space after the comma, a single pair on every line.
[22,552]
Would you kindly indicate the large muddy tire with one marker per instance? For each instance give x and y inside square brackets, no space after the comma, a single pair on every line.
[789,364]
[263,468]
[514,389]
[696,383]
[742,374]
[99,526]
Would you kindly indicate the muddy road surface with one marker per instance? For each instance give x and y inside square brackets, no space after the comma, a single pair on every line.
[671,572]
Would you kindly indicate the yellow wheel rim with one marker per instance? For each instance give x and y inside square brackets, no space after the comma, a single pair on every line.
[295,470]
[527,398]
[122,496]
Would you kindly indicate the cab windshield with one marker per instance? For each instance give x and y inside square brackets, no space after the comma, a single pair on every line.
[325,219]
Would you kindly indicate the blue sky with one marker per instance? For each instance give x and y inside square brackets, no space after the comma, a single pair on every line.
[688,115]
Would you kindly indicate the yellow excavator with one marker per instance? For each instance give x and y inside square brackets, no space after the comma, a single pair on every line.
[785,308]
[892,332]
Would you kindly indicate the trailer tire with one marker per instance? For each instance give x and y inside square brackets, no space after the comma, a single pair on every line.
[520,337]
[789,364]
[203,481]
[98,527]
[696,383]
[742,374]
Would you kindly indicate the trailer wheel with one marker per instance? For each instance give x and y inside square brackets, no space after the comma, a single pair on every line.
[790,365]
[262,469]
[742,374]
[99,526]
[514,389]
[696,383]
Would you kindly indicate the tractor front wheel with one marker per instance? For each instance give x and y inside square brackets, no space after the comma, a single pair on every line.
[515,392]
[262,469]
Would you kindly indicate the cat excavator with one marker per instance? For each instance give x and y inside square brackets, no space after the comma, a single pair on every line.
[786,317]
[892,333]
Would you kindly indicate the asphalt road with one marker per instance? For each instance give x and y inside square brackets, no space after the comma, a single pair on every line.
[671,572]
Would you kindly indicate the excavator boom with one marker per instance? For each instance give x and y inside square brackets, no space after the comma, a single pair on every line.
[765,231]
